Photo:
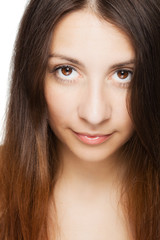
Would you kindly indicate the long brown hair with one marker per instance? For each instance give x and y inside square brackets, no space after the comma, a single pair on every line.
[29,162]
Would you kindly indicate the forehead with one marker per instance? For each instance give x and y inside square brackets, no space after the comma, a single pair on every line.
[84,35]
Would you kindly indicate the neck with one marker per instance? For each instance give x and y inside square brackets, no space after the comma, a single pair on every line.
[89,179]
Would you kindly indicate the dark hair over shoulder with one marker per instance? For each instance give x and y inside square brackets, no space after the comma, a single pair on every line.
[29,162]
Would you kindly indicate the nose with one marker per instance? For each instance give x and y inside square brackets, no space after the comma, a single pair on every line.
[94,106]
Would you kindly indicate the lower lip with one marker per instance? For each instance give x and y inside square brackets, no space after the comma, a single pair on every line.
[93,140]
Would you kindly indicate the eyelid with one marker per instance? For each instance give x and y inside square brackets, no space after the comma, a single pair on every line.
[117,81]
[67,79]
[127,69]
[53,66]
[58,66]
[130,73]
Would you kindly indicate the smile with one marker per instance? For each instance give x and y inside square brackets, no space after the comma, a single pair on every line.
[92,140]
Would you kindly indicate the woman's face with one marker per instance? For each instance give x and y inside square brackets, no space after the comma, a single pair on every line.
[90,66]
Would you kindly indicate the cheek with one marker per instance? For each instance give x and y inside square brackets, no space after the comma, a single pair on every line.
[60,105]
[121,113]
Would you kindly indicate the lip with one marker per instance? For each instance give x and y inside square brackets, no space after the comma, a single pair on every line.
[92,139]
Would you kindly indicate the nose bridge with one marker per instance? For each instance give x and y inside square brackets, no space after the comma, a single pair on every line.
[94,106]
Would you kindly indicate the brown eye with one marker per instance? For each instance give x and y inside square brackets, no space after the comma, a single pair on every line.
[122,74]
[66,71]
[122,77]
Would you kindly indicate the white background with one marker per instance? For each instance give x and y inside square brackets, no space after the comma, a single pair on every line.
[11,12]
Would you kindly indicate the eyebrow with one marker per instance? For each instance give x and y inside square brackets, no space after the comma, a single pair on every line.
[77,62]
[63,57]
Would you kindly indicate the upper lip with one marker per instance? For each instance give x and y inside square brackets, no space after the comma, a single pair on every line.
[91,134]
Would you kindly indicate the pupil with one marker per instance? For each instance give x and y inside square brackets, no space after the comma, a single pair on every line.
[123,74]
[66,71]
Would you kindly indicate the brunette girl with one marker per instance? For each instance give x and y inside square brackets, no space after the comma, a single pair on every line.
[81,153]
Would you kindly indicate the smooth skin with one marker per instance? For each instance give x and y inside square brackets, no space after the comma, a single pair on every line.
[90,67]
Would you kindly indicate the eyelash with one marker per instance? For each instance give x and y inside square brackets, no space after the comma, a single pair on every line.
[120,83]
[67,81]
[123,83]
